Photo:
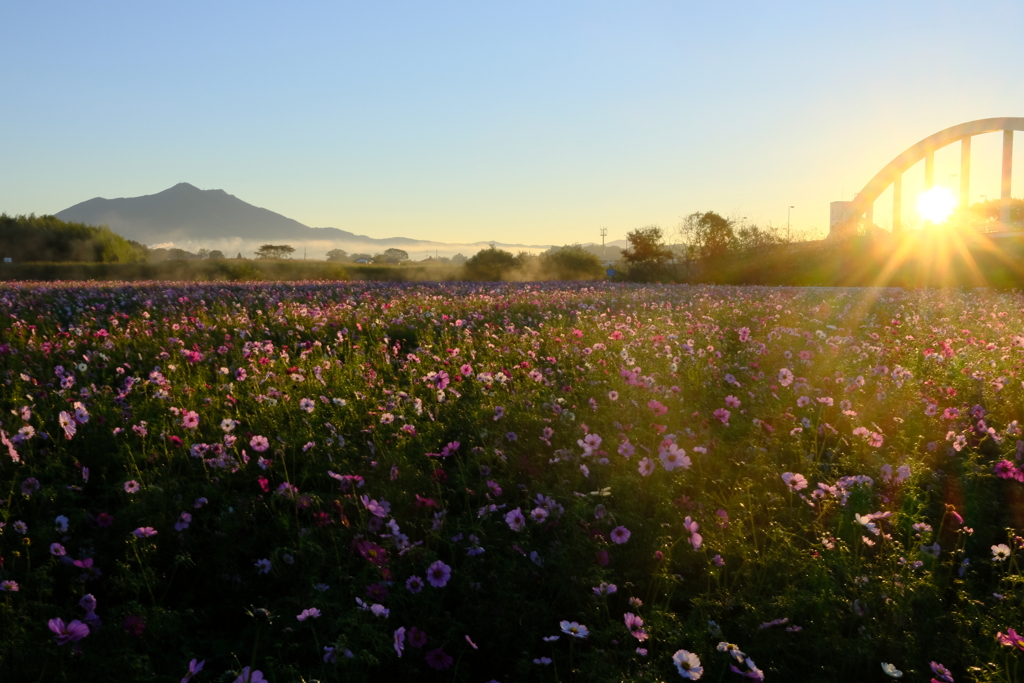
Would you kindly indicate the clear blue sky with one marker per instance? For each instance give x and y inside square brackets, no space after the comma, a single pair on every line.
[534,122]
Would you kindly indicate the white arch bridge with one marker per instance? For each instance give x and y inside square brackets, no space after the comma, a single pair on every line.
[847,215]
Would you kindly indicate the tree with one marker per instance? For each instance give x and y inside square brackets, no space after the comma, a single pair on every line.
[707,235]
[392,256]
[274,251]
[337,255]
[571,263]
[216,254]
[646,254]
[491,264]
[360,257]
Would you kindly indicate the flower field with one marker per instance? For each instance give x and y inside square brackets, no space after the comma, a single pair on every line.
[463,482]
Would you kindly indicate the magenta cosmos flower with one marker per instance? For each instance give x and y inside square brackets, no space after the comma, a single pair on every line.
[67,633]
[620,534]
[438,574]
[438,659]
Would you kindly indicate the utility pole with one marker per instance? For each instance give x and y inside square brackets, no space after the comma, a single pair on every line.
[604,231]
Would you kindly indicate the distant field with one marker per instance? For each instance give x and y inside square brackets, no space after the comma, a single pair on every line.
[225,270]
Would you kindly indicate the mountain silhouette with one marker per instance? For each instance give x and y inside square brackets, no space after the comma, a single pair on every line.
[190,217]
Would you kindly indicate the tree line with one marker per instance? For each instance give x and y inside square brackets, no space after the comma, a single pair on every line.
[47,238]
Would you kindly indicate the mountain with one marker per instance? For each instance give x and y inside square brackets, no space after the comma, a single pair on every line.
[189,218]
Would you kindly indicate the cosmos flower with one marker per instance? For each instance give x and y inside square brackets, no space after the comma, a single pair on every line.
[688,665]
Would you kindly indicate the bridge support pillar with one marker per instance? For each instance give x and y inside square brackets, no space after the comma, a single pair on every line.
[897,203]
[965,172]
[1004,209]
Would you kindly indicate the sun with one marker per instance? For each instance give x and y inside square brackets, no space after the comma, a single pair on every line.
[936,204]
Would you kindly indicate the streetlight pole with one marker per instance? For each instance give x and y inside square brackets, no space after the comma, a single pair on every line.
[788,212]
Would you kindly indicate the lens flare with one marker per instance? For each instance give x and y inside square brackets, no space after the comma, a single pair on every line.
[936,204]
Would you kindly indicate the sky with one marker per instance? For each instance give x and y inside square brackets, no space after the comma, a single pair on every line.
[527,122]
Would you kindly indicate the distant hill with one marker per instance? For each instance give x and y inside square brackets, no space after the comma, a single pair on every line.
[189,218]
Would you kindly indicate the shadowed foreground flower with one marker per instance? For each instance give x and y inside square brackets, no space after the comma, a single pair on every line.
[134,625]
[248,676]
[438,574]
[1011,639]
[144,532]
[438,659]
[193,668]
[944,675]
[688,665]
[574,629]
[620,534]
[891,671]
[67,633]
[399,638]
[1000,552]
[311,613]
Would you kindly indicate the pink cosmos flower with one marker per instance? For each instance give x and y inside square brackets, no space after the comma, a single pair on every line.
[438,574]
[785,379]
[145,532]
[620,534]
[67,633]
[466,370]
[646,467]
[414,584]
[722,415]
[190,419]
[795,482]
[131,486]
[732,401]
[311,613]
[399,640]
[515,520]
[259,443]
[657,408]
[438,659]
[626,449]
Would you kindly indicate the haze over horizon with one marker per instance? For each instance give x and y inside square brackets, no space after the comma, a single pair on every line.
[531,123]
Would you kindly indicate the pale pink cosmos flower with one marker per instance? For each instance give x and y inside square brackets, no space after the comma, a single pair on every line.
[672,457]
[259,443]
[515,520]
[311,613]
[785,379]
[131,486]
[620,535]
[732,401]
[795,482]
[399,640]
[144,532]
[646,467]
